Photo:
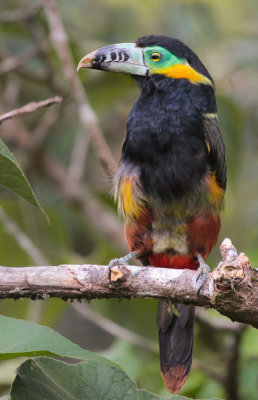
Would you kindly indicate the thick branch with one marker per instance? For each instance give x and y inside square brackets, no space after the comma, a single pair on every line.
[232,288]
[30,107]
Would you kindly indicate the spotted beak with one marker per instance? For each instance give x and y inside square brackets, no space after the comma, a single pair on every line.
[122,57]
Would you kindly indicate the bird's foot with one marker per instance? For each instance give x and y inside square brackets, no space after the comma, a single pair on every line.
[202,272]
[122,260]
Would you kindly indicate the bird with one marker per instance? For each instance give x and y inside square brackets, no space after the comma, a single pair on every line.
[171,180]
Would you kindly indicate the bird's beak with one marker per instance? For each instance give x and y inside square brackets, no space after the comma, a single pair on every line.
[122,57]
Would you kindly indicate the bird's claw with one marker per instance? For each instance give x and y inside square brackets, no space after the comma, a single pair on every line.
[111,264]
[202,271]
[122,260]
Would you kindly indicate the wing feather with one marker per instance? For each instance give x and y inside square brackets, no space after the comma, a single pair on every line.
[216,148]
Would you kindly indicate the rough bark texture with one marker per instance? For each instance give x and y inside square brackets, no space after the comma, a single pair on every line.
[232,288]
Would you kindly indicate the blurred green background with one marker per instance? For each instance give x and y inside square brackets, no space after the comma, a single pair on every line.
[225,36]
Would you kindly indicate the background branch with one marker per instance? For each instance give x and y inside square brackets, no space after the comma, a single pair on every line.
[115,329]
[17,61]
[30,107]
[24,241]
[25,13]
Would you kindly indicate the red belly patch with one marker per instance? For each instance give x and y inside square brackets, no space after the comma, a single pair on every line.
[166,260]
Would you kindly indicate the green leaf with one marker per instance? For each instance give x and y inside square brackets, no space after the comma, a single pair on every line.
[20,338]
[145,395]
[45,378]
[12,177]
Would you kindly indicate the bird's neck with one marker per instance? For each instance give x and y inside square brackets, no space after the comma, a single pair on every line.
[164,116]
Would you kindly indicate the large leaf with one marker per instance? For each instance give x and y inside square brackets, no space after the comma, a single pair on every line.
[44,378]
[12,177]
[20,338]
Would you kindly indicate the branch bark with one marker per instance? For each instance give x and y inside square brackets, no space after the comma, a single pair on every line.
[232,288]
[30,107]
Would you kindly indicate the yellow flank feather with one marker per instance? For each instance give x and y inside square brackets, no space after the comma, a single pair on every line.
[208,146]
[182,71]
[130,198]
[216,193]
[211,115]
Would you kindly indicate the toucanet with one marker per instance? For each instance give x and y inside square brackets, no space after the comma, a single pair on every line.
[171,179]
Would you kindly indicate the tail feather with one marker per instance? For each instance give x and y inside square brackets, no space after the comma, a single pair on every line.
[176,343]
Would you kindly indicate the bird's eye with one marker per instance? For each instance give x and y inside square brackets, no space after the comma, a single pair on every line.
[155,56]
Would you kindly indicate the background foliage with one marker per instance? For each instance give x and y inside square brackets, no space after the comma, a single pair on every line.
[224,35]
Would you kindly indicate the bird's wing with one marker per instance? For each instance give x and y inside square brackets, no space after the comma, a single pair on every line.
[216,148]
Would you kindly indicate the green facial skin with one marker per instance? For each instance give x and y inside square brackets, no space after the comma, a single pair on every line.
[157,58]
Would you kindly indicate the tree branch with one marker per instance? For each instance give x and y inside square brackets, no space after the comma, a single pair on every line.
[25,13]
[232,288]
[22,239]
[115,329]
[13,62]
[30,107]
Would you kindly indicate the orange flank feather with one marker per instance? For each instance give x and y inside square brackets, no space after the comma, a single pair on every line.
[215,191]
[182,71]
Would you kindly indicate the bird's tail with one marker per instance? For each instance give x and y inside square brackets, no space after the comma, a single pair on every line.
[176,328]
